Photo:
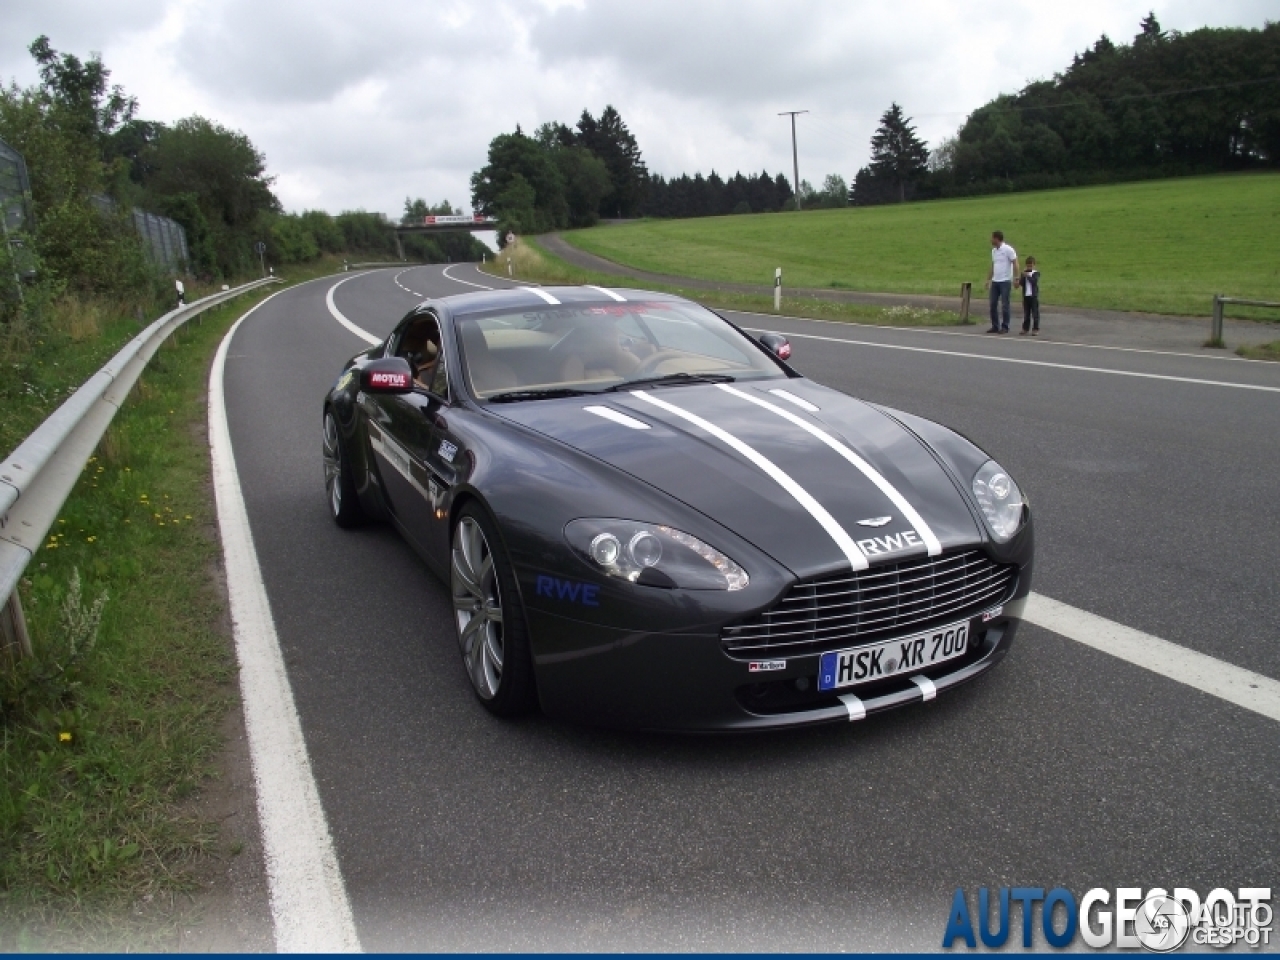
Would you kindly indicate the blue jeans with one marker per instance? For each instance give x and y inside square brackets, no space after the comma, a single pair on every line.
[1000,295]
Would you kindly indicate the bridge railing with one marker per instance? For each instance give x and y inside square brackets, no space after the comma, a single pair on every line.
[37,478]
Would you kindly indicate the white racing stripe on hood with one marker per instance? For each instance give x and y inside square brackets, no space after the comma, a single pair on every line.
[776,473]
[868,471]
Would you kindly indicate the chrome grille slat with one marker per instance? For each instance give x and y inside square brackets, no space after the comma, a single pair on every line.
[872,604]
[962,589]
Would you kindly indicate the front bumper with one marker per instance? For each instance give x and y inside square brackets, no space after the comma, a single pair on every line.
[686,681]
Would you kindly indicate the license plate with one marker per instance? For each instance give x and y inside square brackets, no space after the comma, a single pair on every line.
[891,658]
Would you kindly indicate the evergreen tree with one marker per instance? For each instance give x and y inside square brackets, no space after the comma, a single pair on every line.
[898,156]
[610,140]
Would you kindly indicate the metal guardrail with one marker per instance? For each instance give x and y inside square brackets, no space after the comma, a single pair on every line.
[39,475]
[1215,331]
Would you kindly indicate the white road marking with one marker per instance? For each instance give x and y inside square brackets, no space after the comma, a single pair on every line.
[775,473]
[466,282]
[1216,677]
[397,277]
[360,332]
[1033,363]
[1039,342]
[309,905]
[607,292]
[610,414]
[871,473]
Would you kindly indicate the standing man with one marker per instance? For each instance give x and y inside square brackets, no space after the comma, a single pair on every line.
[1004,264]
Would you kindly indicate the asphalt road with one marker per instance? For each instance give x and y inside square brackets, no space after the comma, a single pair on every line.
[1158,506]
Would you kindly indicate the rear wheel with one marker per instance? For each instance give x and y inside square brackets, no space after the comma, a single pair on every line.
[489,617]
[344,505]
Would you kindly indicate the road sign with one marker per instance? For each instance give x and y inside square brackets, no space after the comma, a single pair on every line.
[511,238]
[259,248]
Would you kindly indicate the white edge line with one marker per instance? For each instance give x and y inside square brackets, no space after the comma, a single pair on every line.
[543,294]
[338,315]
[931,542]
[468,283]
[1035,363]
[607,292]
[1226,681]
[957,333]
[610,414]
[309,905]
[775,473]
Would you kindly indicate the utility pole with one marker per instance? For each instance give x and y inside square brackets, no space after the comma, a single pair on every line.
[795,157]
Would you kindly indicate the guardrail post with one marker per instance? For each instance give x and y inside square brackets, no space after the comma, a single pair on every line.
[15,642]
[1215,333]
[966,292]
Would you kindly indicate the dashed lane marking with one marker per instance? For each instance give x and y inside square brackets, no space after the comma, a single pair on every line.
[465,282]
[309,906]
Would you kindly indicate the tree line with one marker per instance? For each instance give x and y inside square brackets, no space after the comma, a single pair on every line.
[1166,104]
[83,140]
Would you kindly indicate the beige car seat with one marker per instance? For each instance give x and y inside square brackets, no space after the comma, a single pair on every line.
[597,355]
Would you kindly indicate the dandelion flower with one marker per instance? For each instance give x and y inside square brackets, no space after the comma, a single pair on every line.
[64,736]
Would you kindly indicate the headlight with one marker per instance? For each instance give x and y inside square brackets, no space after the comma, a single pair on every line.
[1000,499]
[654,555]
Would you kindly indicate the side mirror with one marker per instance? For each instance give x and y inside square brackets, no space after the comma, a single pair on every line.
[776,344]
[389,375]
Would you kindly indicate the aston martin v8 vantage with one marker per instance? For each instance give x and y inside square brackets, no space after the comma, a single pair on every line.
[647,518]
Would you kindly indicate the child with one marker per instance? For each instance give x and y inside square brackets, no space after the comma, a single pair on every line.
[1030,283]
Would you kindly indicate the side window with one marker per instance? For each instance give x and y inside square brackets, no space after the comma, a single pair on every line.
[420,345]
[440,380]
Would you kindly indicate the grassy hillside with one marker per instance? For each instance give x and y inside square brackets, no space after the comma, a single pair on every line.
[1163,246]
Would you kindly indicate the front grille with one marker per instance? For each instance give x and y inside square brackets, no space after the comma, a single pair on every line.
[871,603]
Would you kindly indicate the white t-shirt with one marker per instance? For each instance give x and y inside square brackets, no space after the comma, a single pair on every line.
[1002,258]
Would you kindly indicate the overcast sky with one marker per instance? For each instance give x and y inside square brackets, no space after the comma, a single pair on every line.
[359,103]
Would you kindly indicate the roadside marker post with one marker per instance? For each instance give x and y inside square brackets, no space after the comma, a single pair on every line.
[777,289]
[966,292]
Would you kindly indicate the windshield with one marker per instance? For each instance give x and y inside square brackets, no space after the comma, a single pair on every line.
[574,348]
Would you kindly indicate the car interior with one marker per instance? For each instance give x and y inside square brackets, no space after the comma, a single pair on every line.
[583,350]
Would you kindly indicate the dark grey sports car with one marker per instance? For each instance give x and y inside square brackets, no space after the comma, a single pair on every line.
[646,518]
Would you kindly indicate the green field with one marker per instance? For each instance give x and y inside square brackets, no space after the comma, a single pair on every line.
[1162,246]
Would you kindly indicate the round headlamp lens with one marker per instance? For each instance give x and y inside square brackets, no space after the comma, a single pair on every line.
[645,549]
[1000,486]
[605,549]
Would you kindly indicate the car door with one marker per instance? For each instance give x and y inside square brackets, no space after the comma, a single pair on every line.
[401,436]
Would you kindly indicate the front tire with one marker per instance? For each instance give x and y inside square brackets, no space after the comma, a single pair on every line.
[489,617]
[344,504]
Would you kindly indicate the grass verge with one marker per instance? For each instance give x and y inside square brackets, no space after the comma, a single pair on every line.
[531,261]
[109,731]
[1161,246]
[1262,351]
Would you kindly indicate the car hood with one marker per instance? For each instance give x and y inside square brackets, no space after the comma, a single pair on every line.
[818,480]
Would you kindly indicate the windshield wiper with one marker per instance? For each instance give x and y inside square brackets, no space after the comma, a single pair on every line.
[547,393]
[672,379]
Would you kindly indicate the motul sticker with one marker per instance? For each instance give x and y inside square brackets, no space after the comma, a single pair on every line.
[766,666]
[394,381]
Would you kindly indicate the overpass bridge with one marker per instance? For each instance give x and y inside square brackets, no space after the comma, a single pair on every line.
[433,223]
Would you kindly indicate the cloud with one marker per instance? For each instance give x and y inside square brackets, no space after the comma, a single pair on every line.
[358,103]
